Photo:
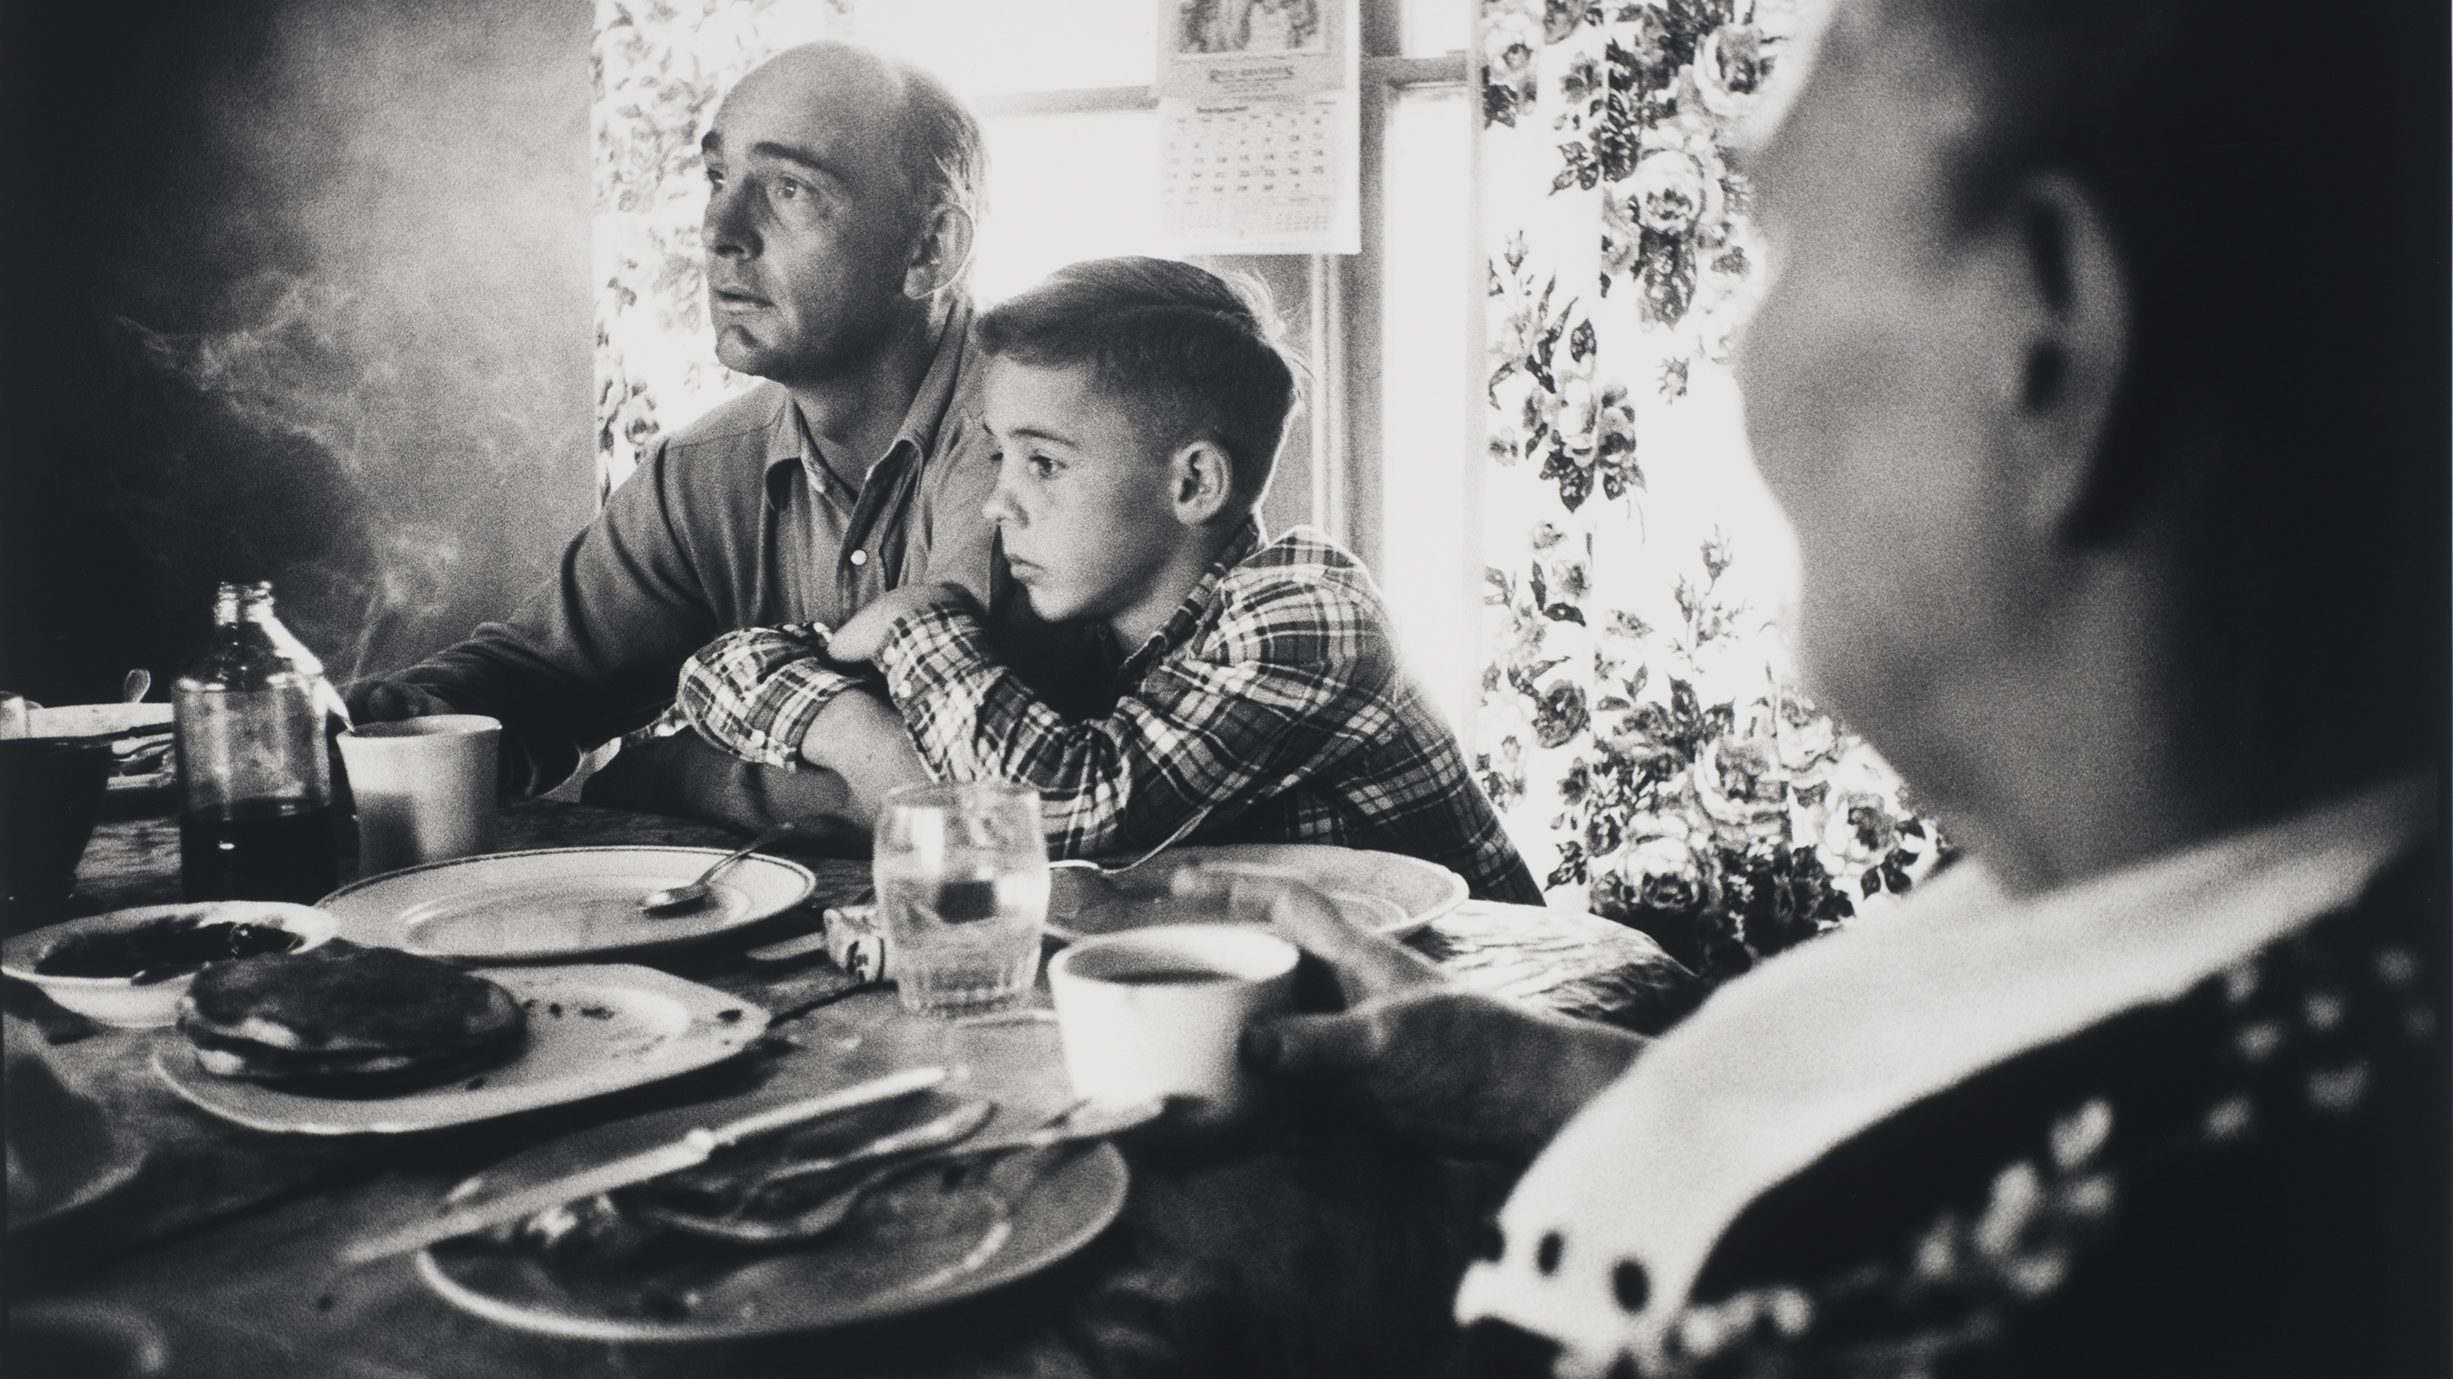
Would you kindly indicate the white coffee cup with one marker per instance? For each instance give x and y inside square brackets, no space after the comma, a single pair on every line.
[1158,1011]
[425,788]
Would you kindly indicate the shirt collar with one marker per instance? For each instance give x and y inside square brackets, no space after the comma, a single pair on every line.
[924,421]
[1187,617]
[1827,1040]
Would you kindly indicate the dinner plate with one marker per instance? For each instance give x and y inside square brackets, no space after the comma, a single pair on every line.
[1400,894]
[556,903]
[591,1030]
[99,720]
[916,1244]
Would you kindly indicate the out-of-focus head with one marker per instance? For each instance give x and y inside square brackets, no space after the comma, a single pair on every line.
[843,188]
[2133,307]
[1138,405]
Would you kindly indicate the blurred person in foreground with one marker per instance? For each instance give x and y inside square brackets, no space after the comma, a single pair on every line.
[2122,511]
[842,193]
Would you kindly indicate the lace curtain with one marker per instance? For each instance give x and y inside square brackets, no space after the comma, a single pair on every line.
[1636,724]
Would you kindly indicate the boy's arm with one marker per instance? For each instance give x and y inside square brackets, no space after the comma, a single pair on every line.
[1292,682]
[769,695]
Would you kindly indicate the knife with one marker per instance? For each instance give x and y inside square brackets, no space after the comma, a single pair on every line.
[687,1151]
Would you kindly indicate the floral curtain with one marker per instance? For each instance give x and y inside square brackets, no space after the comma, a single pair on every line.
[1636,724]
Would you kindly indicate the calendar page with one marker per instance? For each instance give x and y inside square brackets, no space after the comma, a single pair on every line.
[1261,130]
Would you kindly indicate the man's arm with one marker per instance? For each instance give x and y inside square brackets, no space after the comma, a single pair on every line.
[772,695]
[588,656]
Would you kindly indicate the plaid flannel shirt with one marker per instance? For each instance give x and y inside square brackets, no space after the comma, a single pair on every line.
[1271,706]
[1271,702]
[756,692]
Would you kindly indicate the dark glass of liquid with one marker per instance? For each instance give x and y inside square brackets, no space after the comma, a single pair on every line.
[258,850]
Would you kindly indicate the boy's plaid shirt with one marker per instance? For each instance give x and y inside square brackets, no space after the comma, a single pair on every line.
[1272,699]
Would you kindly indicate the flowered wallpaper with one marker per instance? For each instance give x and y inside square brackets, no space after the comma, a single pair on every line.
[1636,723]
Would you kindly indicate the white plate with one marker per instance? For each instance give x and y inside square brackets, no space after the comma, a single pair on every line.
[1403,893]
[559,902]
[591,1030]
[859,1273]
[98,720]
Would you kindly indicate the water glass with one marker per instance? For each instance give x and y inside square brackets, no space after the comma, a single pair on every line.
[962,892]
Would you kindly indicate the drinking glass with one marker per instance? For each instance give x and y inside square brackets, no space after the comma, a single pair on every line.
[962,890]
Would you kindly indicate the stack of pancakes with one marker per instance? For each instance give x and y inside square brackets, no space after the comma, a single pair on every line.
[340,1020]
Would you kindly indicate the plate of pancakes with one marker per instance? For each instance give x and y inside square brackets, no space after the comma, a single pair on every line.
[344,1040]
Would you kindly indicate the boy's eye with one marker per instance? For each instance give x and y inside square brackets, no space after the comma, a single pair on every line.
[1041,467]
[715,176]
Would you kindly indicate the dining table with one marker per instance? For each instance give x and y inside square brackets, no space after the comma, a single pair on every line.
[1303,1243]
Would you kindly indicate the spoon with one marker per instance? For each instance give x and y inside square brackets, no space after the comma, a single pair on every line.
[1078,884]
[672,898]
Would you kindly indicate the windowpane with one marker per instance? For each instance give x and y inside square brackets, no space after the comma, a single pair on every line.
[1431,568]
[1061,188]
[1432,28]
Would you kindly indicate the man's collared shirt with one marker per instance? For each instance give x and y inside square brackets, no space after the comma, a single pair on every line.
[1270,707]
[730,522]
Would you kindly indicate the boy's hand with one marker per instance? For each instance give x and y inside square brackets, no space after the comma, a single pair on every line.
[861,638]
[860,737]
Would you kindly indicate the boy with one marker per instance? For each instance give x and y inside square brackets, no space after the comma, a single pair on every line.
[1137,405]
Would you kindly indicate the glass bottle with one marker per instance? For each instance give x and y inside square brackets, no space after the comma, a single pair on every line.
[255,777]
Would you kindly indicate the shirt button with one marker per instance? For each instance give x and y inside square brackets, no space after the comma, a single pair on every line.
[860,558]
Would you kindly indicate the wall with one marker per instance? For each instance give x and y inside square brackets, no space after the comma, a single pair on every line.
[293,289]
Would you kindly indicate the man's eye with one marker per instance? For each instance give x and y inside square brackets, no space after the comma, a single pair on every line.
[715,177]
[1042,467]
[788,190]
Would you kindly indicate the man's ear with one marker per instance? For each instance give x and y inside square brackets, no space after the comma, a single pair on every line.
[1200,482]
[2068,349]
[939,253]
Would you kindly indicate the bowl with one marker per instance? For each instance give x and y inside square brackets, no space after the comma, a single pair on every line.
[123,1001]
[50,795]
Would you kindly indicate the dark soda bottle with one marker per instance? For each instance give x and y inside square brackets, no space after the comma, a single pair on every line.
[255,778]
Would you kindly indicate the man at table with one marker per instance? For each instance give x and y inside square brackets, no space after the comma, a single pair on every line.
[836,247]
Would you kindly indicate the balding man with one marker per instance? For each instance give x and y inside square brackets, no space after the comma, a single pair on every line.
[841,190]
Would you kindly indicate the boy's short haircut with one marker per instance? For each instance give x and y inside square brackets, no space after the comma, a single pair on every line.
[1193,352]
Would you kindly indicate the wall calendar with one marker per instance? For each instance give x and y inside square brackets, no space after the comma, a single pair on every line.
[1260,144]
